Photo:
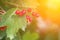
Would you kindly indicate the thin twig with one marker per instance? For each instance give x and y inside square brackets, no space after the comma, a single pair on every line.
[16,5]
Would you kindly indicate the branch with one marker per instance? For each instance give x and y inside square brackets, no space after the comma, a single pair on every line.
[16,5]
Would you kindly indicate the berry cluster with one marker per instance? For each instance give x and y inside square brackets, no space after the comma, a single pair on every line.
[21,13]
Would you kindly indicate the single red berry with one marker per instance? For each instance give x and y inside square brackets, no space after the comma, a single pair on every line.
[35,14]
[23,11]
[29,18]
[17,12]
[3,28]
[29,9]
[21,14]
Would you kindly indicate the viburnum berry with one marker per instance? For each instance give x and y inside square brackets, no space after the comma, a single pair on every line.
[35,14]
[23,11]
[29,18]
[17,12]
[3,28]
[20,14]
[29,9]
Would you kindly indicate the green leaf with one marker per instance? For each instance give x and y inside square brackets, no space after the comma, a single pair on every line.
[17,37]
[8,14]
[30,36]
[14,22]
[2,34]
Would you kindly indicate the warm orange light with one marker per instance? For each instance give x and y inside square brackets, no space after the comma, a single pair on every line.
[50,9]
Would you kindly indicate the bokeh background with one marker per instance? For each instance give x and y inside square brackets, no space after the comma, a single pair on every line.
[47,25]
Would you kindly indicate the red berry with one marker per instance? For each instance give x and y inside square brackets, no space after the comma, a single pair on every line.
[3,28]
[21,14]
[23,11]
[29,18]
[17,12]
[29,9]
[35,14]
